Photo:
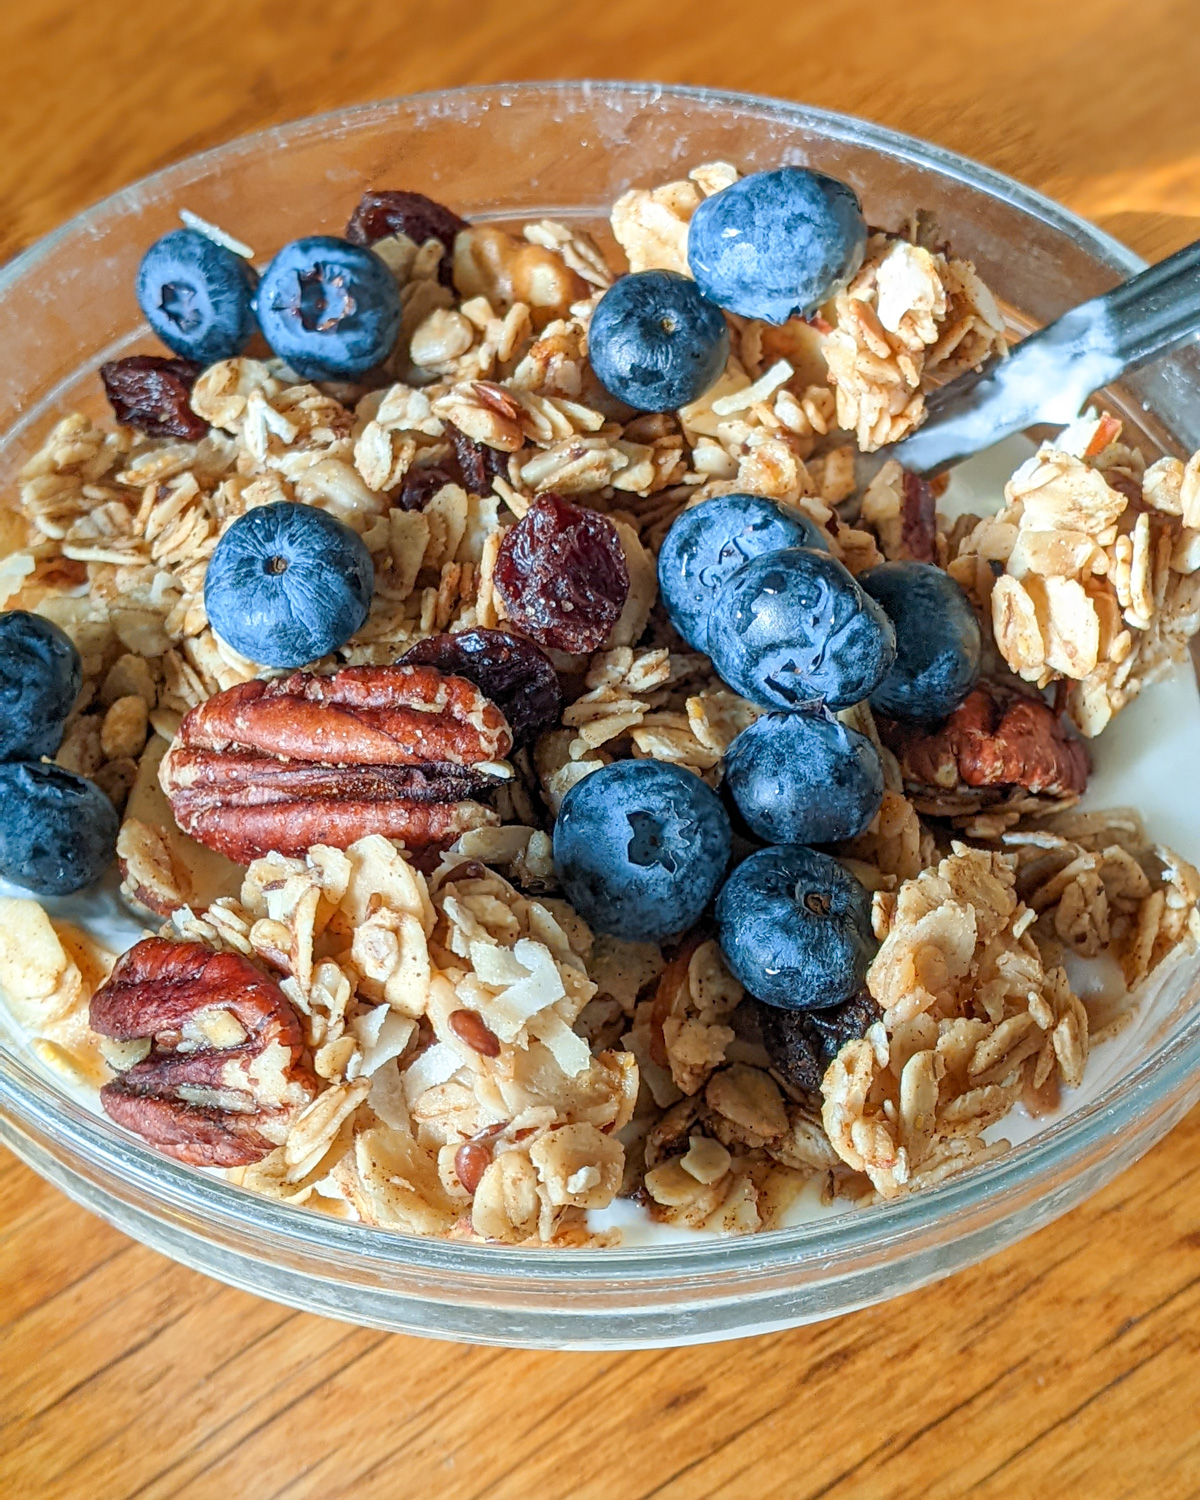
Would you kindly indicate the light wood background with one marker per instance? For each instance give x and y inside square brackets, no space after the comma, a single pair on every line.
[1069,1366]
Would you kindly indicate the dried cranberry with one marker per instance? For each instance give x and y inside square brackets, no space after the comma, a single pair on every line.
[421,485]
[153,394]
[390,211]
[478,463]
[473,465]
[513,672]
[561,575]
[918,518]
[802,1043]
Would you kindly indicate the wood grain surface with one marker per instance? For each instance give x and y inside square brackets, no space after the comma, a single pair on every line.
[1069,1366]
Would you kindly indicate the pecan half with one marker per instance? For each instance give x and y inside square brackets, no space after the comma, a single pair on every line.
[281,766]
[225,1072]
[998,738]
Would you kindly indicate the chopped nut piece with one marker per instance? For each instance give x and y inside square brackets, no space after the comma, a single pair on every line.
[996,739]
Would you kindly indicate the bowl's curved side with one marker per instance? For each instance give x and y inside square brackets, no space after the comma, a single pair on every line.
[579,1300]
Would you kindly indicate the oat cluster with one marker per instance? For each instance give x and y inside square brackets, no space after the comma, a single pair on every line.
[486,1067]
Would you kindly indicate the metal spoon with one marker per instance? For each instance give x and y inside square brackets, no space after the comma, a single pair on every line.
[1050,375]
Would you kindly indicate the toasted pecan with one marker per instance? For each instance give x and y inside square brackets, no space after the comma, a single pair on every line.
[366,716]
[998,738]
[281,766]
[225,1071]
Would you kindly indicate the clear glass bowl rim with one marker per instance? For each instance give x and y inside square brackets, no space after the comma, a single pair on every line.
[1162,1084]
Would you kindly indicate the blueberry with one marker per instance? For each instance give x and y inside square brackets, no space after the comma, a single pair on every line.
[654,341]
[40,678]
[777,244]
[197,296]
[330,308]
[58,832]
[795,928]
[939,646]
[710,541]
[804,779]
[640,846]
[793,630]
[288,583]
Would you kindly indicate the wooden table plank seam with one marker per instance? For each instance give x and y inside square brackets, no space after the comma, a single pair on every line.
[275,1415]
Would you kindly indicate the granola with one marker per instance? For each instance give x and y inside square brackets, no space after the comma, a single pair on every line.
[452,1051]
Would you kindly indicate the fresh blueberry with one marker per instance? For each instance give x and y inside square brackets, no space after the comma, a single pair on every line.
[288,583]
[777,244]
[197,296]
[40,678]
[640,846]
[330,308]
[654,341]
[939,645]
[793,630]
[795,928]
[710,541]
[804,779]
[58,832]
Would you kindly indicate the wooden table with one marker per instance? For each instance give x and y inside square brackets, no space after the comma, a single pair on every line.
[1068,1366]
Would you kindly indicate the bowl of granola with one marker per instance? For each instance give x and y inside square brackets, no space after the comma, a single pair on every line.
[362,607]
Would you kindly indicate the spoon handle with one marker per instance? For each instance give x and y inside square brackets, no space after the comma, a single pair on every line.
[1158,310]
[1050,375]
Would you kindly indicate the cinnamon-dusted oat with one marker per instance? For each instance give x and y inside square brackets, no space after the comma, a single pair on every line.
[489,262]
[48,973]
[695,998]
[908,313]
[1100,584]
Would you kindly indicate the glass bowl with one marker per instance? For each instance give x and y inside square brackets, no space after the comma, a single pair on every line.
[567,150]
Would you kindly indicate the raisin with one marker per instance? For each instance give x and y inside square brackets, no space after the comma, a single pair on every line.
[390,211]
[152,394]
[477,463]
[802,1043]
[421,485]
[843,1023]
[513,672]
[791,1045]
[561,575]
